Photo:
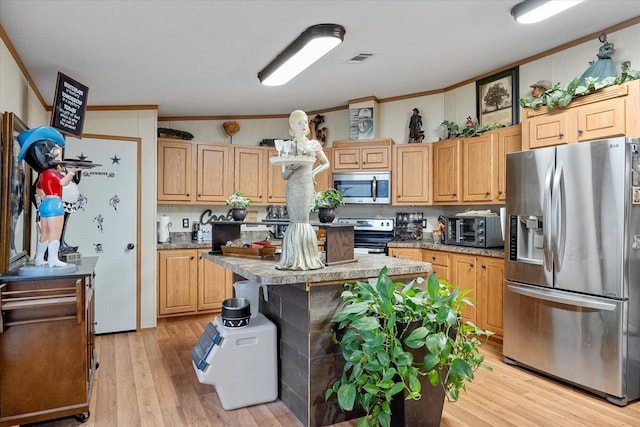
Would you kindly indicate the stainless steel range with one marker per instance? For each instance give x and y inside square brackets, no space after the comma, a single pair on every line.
[371,235]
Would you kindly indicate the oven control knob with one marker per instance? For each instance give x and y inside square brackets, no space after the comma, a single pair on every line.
[481,231]
[480,223]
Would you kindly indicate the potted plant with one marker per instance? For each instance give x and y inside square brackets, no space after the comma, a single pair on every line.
[383,325]
[325,203]
[452,129]
[238,202]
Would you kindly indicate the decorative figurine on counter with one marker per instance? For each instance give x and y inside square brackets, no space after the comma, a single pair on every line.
[416,134]
[604,66]
[300,243]
[41,148]
[540,87]
[469,123]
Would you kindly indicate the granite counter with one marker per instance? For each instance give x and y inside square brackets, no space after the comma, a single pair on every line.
[302,304]
[425,244]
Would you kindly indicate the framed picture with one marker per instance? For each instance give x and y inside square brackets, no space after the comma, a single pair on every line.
[361,123]
[497,98]
[15,207]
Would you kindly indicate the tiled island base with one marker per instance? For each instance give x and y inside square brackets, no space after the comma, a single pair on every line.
[302,310]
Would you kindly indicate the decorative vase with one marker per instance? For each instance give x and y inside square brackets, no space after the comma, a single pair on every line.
[238,214]
[326,214]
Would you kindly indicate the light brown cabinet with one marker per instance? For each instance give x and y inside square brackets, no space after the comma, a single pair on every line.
[250,170]
[609,112]
[489,285]
[189,284]
[47,352]
[507,140]
[191,172]
[477,168]
[463,274]
[276,186]
[411,174]
[439,262]
[446,171]
[473,170]
[413,254]
[374,154]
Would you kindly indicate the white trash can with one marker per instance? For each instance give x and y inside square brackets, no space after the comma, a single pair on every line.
[241,363]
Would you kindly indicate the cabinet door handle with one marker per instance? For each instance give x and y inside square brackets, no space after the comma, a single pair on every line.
[484,266]
[580,131]
[433,258]
[188,194]
[561,134]
[471,265]
[499,192]
[487,193]
[192,258]
[454,195]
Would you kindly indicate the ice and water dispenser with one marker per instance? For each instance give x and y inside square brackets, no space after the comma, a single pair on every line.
[526,239]
[240,362]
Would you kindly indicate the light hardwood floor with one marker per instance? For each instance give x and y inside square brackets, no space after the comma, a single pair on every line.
[146,379]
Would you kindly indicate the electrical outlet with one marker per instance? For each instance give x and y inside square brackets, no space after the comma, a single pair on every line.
[185,222]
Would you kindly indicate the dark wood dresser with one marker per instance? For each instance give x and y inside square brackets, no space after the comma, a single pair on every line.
[47,355]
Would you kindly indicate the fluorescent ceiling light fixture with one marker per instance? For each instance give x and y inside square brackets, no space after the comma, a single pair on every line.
[532,11]
[315,42]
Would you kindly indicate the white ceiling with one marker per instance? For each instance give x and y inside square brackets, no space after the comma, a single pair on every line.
[201,58]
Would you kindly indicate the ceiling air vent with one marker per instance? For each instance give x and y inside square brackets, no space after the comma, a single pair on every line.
[359,58]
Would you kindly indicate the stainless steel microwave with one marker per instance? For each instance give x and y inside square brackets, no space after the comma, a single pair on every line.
[475,231]
[364,187]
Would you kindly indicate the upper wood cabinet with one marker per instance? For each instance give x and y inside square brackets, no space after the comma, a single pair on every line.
[324,179]
[193,172]
[446,171]
[374,154]
[250,171]
[609,112]
[276,185]
[477,168]
[507,140]
[175,170]
[411,174]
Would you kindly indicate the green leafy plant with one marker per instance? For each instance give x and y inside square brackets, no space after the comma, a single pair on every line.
[477,130]
[174,133]
[328,198]
[452,128]
[381,321]
[238,200]
[559,97]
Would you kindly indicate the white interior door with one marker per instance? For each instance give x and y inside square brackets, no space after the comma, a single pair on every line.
[105,225]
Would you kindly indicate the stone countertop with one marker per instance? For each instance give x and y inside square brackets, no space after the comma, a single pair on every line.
[183,240]
[425,244]
[365,266]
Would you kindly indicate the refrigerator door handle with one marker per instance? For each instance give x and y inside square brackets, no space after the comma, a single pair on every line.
[546,215]
[557,246]
[554,296]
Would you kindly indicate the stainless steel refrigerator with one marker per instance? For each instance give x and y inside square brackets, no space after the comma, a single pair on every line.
[572,265]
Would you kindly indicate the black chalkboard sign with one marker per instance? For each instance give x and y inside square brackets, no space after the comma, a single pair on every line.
[69,106]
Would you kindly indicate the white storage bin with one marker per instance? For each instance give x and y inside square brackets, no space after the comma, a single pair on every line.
[241,363]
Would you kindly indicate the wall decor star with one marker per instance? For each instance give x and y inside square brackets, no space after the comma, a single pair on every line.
[115,160]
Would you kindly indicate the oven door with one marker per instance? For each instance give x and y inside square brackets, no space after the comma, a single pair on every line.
[364,187]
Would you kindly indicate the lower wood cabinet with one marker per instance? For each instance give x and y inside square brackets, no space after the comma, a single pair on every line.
[485,277]
[413,254]
[482,275]
[189,284]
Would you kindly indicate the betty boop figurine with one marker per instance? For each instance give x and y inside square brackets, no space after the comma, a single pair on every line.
[41,148]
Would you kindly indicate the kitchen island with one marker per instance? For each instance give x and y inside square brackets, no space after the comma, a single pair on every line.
[301,304]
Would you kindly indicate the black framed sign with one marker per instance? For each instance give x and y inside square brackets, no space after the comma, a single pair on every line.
[497,98]
[69,106]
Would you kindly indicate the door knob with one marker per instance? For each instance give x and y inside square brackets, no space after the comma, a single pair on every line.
[130,246]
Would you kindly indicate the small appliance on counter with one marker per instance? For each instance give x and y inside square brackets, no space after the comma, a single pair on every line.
[478,231]
[164,223]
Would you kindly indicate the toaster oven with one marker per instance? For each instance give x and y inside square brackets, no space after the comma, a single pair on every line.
[474,231]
